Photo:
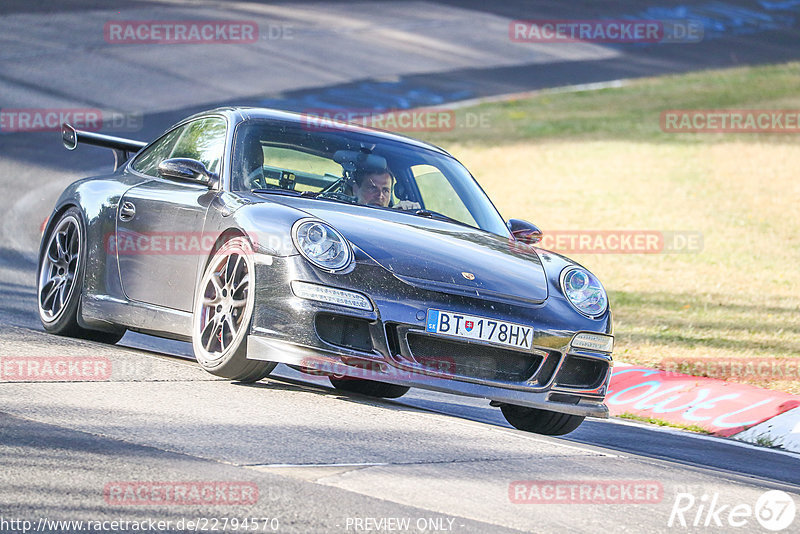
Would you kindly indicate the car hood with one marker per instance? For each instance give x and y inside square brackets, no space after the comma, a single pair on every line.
[439,255]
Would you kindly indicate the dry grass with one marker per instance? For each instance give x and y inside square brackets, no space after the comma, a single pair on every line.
[737,298]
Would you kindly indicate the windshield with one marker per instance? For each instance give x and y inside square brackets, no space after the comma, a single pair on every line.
[356,167]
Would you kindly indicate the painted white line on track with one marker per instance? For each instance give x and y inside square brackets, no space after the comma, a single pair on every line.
[579,88]
[290,466]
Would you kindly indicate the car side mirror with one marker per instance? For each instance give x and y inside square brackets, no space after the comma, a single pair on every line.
[69,136]
[187,169]
[524,231]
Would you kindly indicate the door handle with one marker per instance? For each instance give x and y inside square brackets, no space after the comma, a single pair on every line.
[127,211]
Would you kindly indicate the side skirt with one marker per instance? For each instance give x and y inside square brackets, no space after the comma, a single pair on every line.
[102,312]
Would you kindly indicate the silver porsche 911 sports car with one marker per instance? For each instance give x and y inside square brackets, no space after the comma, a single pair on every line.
[266,237]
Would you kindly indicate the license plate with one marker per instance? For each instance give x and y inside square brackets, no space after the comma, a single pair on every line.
[479,328]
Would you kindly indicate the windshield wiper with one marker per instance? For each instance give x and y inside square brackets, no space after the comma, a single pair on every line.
[434,215]
[279,191]
[336,196]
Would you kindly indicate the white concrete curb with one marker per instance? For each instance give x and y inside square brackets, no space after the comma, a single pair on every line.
[781,431]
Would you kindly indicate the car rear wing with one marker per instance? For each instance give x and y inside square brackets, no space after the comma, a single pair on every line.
[123,148]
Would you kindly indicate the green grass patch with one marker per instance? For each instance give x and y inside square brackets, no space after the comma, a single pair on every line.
[631,112]
[662,422]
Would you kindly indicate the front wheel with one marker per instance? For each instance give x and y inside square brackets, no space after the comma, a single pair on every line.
[540,421]
[222,314]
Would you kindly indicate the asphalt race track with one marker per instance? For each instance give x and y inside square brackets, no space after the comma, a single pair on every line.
[320,461]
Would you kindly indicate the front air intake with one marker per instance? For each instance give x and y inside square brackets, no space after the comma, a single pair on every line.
[587,373]
[343,331]
[473,360]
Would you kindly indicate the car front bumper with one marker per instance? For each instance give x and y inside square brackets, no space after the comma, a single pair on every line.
[385,342]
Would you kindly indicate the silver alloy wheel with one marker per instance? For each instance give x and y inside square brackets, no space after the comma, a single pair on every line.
[226,304]
[60,264]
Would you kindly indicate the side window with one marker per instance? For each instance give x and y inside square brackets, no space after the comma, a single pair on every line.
[203,140]
[147,162]
[438,195]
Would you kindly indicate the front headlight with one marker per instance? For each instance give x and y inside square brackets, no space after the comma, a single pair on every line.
[320,244]
[584,291]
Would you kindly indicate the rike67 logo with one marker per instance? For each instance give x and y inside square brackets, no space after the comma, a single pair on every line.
[774,510]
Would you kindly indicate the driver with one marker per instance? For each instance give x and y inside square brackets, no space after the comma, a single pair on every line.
[374,188]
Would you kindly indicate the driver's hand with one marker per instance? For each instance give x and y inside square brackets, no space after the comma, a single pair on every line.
[407,205]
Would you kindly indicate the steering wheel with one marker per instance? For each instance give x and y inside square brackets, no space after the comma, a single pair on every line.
[255,179]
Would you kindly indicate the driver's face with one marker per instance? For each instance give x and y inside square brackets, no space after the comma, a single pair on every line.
[375,190]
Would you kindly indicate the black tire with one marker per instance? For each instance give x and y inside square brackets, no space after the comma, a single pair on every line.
[370,388]
[219,330]
[103,337]
[61,269]
[540,421]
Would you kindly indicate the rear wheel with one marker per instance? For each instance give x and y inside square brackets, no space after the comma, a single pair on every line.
[371,388]
[222,314]
[540,421]
[61,271]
